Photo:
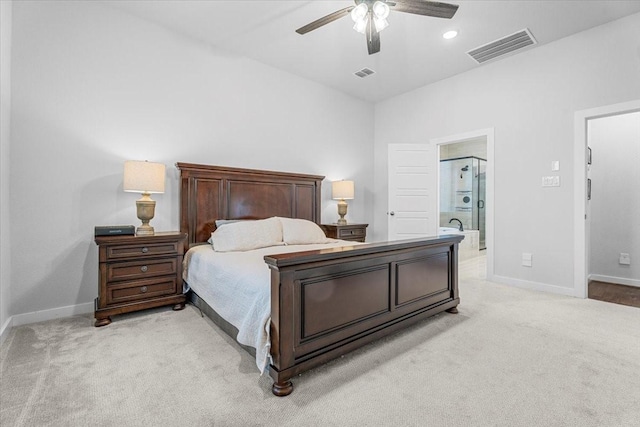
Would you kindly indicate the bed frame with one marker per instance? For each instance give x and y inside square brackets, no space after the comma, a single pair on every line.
[324,303]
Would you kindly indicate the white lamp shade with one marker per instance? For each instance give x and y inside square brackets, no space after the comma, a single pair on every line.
[143,177]
[342,190]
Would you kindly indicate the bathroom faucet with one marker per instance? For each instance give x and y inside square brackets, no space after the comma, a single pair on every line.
[460,222]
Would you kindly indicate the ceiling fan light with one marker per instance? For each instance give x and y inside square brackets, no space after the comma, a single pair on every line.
[380,10]
[380,23]
[360,26]
[359,12]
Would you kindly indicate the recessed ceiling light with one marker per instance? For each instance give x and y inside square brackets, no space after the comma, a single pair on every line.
[450,34]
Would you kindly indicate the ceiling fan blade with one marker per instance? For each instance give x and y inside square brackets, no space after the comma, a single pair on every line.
[424,7]
[373,38]
[324,20]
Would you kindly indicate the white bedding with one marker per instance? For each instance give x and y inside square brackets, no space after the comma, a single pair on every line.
[237,286]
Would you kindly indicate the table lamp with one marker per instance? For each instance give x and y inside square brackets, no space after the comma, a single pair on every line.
[146,178]
[341,191]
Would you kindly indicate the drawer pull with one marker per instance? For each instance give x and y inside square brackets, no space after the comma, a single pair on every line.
[145,250]
[143,289]
[144,268]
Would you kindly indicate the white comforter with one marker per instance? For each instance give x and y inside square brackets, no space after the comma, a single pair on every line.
[237,286]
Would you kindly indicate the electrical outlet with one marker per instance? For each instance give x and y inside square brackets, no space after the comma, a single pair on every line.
[527,259]
[624,259]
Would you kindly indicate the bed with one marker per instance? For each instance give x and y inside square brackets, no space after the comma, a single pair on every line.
[328,301]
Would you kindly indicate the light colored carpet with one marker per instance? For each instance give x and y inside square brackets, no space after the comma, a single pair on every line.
[511,357]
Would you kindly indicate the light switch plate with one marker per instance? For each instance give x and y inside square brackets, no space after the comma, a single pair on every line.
[551,181]
[555,165]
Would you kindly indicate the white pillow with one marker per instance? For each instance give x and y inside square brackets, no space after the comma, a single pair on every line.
[221,222]
[247,235]
[301,232]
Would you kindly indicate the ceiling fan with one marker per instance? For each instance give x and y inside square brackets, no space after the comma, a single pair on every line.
[370,16]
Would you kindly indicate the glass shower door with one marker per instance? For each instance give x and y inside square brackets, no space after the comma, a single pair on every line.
[482,194]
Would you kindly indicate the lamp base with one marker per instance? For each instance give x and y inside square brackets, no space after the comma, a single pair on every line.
[145,230]
[342,211]
[145,210]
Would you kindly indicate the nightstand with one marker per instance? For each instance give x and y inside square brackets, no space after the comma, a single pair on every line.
[138,272]
[353,232]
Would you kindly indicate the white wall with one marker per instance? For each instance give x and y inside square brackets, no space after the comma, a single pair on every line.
[615,202]
[5,136]
[93,87]
[529,99]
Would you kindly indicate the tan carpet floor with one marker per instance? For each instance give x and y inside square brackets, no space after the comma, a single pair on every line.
[511,357]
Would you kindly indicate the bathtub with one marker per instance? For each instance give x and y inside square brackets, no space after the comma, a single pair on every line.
[449,230]
[469,247]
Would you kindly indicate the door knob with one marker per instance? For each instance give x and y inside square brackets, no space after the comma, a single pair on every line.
[392,213]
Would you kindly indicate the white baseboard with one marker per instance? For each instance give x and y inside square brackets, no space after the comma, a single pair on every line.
[53,313]
[616,280]
[6,328]
[535,286]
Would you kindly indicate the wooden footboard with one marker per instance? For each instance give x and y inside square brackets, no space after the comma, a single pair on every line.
[329,302]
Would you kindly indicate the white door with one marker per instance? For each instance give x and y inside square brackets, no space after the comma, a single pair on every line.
[413,181]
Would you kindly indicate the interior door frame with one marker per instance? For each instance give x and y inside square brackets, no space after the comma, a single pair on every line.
[488,133]
[581,223]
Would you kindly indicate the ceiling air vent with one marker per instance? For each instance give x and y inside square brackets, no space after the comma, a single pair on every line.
[365,72]
[503,46]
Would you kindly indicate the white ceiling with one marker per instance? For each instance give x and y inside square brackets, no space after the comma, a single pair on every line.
[413,52]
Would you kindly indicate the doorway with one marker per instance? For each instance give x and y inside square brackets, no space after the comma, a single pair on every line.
[614,239]
[463,167]
[582,181]
[475,204]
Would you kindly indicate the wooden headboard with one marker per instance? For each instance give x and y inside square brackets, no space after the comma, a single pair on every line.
[208,193]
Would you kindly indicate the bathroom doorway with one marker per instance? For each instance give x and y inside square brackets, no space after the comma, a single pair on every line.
[584,165]
[465,192]
[614,245]
[463,188]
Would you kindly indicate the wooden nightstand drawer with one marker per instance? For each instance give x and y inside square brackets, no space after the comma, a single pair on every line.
[140,289]
[117,252]
[138,272]
[137,269]
[345,233]
[354,232]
